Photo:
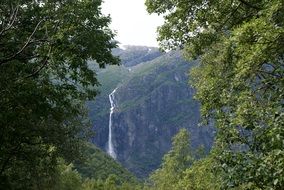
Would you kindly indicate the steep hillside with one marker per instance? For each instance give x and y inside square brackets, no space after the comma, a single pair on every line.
[153,101]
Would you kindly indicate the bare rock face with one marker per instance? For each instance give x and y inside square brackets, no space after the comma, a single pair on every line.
[153,101]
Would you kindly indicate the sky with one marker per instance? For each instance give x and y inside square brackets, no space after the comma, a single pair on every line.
[132,23]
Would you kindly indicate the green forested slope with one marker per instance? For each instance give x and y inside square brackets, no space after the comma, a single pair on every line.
[98,165]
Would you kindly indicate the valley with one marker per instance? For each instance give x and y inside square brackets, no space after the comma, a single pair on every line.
[153,101]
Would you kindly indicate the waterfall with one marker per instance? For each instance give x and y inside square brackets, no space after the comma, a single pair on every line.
[110,149]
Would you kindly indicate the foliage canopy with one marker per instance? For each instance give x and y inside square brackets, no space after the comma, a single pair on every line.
[45,79]
[175,162]
[239,80]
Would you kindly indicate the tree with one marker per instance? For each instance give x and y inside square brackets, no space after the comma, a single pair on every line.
[202,175]
[175,162]
[239,80]
[45,79]
[67,178]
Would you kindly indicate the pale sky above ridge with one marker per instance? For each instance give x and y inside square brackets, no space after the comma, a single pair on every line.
[132,23]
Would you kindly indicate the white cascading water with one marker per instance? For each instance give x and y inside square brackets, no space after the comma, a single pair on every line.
[110,149]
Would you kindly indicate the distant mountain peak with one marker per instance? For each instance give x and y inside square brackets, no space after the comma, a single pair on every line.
[132,55]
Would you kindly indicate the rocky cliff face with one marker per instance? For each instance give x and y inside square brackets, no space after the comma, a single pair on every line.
[153,101]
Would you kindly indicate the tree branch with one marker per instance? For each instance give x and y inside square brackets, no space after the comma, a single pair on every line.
[11,20]
[230,16]
[44,63]
[24,46]
[250,5]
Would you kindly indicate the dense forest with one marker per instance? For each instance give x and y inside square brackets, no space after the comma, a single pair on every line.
[47,52]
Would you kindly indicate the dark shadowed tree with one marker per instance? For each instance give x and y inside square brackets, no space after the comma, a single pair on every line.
[45,79]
